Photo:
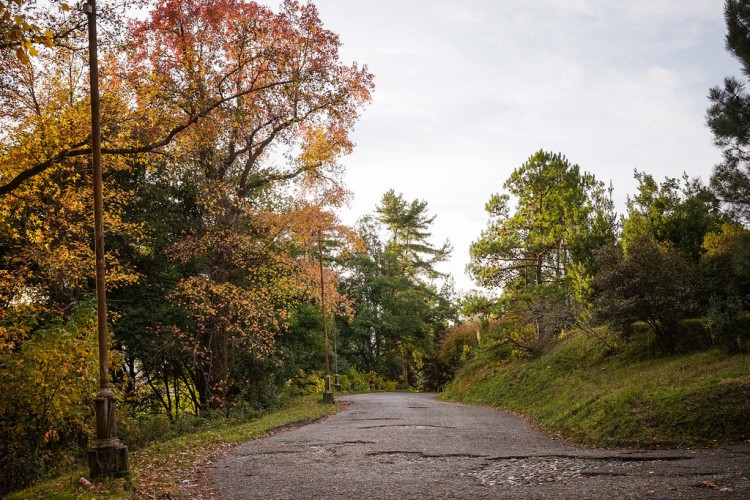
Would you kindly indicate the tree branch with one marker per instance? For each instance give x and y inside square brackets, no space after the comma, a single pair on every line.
[74,150]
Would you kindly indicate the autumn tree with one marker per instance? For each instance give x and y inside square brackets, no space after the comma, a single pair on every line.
[166,101]
[223,123]
[45,224]
[273,83]
[25,26]
[46,247]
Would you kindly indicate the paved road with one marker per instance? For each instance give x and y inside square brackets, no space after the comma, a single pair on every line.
[399,446]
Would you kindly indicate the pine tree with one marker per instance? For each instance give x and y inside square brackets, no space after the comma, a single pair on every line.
[729,116]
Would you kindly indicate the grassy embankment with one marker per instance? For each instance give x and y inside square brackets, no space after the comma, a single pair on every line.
[157,470]
[634,397]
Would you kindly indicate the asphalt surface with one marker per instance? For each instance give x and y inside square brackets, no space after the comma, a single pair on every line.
[403,446]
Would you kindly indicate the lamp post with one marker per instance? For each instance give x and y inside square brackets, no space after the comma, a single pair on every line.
[108,457]
[336,379]
[327,393]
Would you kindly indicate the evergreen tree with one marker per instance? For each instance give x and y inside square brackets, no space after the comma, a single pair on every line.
[561,216]
[399,310]
[729,116]
[540,254]
[408,223]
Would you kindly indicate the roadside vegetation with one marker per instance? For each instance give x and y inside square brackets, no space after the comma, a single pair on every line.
[226,260]
[627,330]
[228,265]
[632,397]
[163,456]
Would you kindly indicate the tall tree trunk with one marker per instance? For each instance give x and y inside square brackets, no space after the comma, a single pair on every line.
[539,262]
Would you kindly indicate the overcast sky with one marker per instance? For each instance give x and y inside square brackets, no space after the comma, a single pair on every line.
[466,91]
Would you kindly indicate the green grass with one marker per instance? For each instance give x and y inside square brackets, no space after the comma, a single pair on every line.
[157,470]
[632,398]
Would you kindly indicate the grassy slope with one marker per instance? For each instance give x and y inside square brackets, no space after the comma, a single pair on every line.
[633,398]
[156,471]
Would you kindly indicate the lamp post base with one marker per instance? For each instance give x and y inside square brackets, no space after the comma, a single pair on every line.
[108,461]
[337,382]
[327,394]
[108,456]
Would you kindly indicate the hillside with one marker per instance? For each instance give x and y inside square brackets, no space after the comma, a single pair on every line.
[634,397]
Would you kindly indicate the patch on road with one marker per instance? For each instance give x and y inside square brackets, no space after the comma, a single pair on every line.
[544,470]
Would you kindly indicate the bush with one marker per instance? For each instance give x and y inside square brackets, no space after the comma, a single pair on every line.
[142,430]
[694,335]
[354,381]
[728,325]
[651,282]
[303,384]
[49,381]
[456,345]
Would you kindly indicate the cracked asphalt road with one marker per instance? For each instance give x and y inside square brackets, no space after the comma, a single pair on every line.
[401,445]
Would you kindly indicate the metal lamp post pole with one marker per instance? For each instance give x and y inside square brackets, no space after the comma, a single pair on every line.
[336,378]
[108,457]
[327,393]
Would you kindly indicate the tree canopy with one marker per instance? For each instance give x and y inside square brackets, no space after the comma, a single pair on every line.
[728,116]
[558,209]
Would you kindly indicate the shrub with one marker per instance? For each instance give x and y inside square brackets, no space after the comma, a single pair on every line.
[727,324]
[355,381]
[49,382]
[694,335]
[456,345]
[303,384]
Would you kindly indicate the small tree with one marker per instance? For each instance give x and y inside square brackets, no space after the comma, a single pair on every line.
[725,284]
[651,282]
[681,213]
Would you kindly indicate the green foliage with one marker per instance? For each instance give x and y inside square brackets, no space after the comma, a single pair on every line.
[725,281]
[540,253]
[158,466]
[682,216]
[728,119]
[651,282]
[409,225]
[583,391]
[694,336]
[728,325]
[355,381]
[303,384]
[49,381]
[399,312]
[562,216]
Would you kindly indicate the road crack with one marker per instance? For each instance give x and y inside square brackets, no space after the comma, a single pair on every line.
[417,427]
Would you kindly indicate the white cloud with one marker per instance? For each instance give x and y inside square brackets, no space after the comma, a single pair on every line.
[467,91]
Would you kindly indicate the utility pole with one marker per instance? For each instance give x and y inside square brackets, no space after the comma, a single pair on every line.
[327,393]
[108,457]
